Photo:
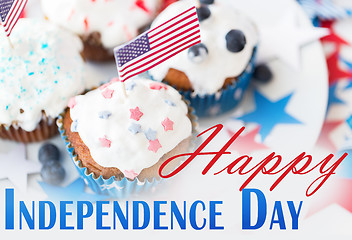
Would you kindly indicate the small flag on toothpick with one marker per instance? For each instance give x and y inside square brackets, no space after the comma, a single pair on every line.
[10,11]
[158,44]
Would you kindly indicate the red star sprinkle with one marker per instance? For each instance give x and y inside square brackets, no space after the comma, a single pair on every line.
[107,93]
[246,144]
[335,72]
[130,174]
[72,103]
[157,86]
[168,124]
[105,142]
[332,37]
[324,138]
[154,145]
[141,5]
[136,114]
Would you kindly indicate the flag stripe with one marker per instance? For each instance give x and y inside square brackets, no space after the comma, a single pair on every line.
[164,53]
[13,15]
[156,51]
[9,15]
[15,18]
[172,25]
[162,60]
[193,8]
[173,31]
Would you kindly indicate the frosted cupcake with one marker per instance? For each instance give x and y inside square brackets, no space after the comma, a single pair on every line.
[37,79]
[101,24]
[121,141]
[213,74]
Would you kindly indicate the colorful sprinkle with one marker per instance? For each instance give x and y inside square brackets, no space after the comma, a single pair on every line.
[135,128]
[105,142]
[154,145]
[150,134]
[86,25]
[74,126]
[130,174]
[72,102]
[157,86]
[107,93]
[168,124]
[136,114]
[170,103]
[141,5]
[104,114]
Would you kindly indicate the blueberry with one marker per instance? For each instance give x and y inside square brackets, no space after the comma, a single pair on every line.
[206,1]
[203,13]
[52,172]
[262,73]
[235,41]
[48,152]
[198,53]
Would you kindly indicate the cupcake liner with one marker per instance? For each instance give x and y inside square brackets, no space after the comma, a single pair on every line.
[225,99]
[45,130]
[112,187]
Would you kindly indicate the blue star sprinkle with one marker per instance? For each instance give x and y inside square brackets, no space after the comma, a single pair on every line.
[347,63]
[104,114]
[170,103]
[333,99]
[134,128]
[74,126]
[150,134]
[74,192]
[130,85]
[267,113]
[349,121]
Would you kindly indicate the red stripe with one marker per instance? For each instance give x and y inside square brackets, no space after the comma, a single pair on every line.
[146,69]
[20,7]
[152,60]
[162,49]
[9,32]
[10,13]
[176,23]
[171,19]
[175,30]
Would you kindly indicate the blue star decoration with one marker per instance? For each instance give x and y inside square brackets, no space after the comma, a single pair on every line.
[349,85]
[333,99]
[267,113]
[73,192]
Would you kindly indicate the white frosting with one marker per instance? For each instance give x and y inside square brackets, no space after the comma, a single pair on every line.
[118,21]
[208,76]
[41,72]
[129,151]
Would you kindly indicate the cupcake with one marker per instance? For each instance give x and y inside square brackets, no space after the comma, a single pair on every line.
[213,74]
[119,138]
[102,25]
[37,78]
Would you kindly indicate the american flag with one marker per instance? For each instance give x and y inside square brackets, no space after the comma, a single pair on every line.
[158,44]
[10,11]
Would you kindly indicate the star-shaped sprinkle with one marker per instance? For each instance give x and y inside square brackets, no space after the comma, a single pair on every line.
[170,103]
[335,72]
[246,144]
[15,167]
[268,113]
[104,114]
[130,174]
[74,125]
[107,93]
[157,86]
[104,142]
[72,102]
[332,37]
[333,99]
[168,124]
[136,114]
[150,134]
[154,145]
[74,192]
[134,128]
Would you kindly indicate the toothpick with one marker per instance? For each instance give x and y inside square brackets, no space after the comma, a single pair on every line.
[124,89]
[10,43]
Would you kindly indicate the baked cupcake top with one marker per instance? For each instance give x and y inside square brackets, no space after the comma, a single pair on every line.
[118,21]
[41,73]
[130,132]
[228,39]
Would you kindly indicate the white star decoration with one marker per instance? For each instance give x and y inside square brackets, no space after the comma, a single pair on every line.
[15,167]
[285,39]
